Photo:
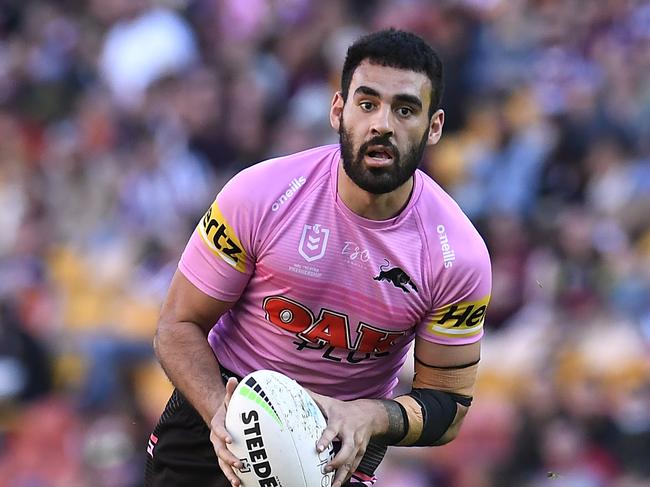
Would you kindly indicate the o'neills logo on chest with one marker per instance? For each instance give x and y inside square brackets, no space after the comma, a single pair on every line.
[296,184]
[448,254]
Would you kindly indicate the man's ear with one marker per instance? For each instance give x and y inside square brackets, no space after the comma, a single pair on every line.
[336,110]
[435,129]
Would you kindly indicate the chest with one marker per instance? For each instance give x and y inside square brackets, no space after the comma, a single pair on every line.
[335,269]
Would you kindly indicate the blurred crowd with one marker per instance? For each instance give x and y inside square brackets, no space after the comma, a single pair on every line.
[121,119]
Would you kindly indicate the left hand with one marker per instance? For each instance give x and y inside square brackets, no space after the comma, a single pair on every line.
[220,437]
[353,423]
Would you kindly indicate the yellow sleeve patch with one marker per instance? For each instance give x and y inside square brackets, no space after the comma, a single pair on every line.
[457,320]
[221,239]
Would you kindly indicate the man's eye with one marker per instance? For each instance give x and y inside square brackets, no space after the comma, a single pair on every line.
[366,106]
[404,111]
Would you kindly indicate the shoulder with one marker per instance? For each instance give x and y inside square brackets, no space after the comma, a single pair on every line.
[259,197]
[444,223]
[458,254]
[273,181]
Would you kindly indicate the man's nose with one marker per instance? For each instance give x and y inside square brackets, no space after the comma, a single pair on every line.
[382,123]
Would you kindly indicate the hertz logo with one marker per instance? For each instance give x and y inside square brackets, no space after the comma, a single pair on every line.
[461,319]
[220,238]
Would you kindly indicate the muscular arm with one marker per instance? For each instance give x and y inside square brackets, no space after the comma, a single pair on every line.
[436,361]
[182,348]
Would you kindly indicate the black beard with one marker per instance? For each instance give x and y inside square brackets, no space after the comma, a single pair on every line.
[380,180]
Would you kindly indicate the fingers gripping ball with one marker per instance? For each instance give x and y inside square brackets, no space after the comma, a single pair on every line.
[275,424]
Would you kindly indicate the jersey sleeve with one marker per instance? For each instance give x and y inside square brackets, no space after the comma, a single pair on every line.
[458,316]
[219,256]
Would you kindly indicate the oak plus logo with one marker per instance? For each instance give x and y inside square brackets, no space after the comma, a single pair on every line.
[313,242]
[330,331]
[296,184]
[448,254]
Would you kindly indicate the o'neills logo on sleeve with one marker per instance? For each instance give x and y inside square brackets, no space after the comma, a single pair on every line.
[296,184]
[448,254]
[221,238]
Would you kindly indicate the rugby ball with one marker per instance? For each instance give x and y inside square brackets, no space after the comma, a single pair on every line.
[274,424]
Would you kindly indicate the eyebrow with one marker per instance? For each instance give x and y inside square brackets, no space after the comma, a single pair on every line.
[410,99]
[403,97]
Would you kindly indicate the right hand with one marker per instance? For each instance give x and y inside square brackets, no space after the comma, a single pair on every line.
[221,438]
[354,423]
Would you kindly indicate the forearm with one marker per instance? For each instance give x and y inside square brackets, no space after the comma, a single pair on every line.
[187,359]
[433,416]
[391,422]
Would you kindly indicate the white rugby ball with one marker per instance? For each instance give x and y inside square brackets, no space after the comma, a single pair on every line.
[274,425]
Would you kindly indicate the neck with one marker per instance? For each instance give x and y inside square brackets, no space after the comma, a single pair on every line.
[372,206]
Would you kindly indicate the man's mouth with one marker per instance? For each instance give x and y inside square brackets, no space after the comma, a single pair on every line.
[379,155]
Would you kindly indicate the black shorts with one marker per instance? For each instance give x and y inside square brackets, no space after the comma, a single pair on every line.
[180,453]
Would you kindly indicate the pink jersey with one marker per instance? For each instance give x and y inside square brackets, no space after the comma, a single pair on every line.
[325,296]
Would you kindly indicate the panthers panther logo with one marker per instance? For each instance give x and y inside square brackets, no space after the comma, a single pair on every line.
[396,276]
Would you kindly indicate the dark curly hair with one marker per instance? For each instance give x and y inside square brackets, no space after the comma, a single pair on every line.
[395,49]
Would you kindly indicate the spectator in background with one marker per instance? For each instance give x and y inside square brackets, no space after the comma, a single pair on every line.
[146,43]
